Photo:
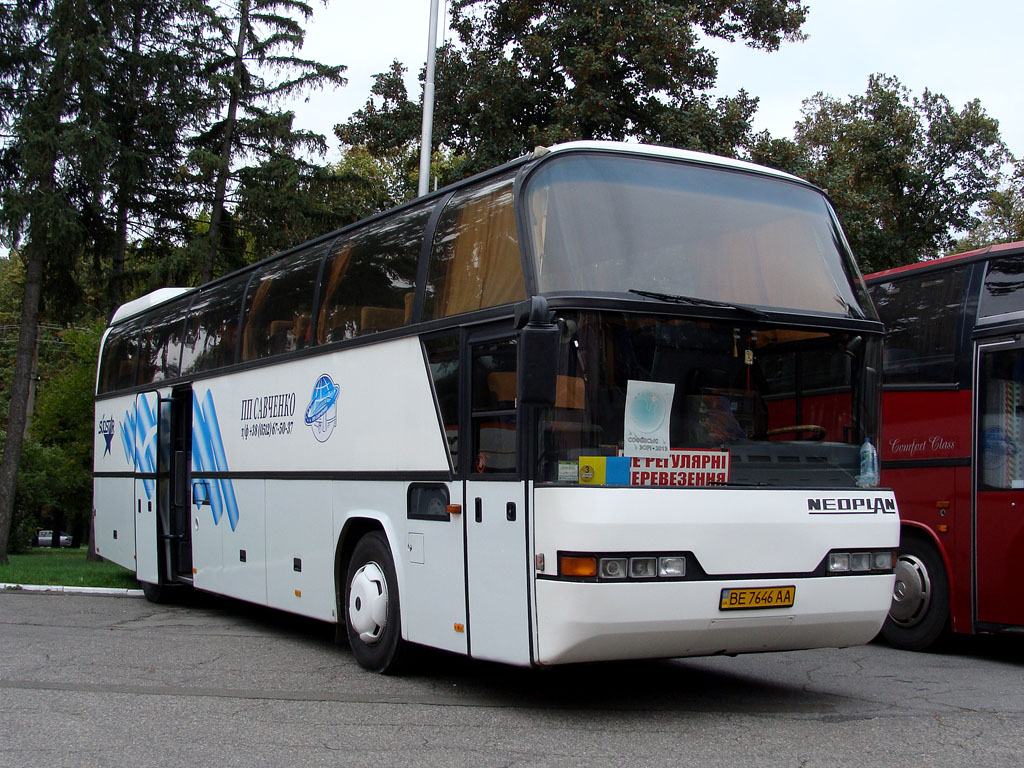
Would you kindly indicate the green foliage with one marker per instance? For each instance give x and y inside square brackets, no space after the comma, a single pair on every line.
[544,71]
[41,480]
[286,200]
[1001,220]
[904,172]
[64,404]
[55,473]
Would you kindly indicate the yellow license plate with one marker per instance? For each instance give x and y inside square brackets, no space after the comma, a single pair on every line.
[756,597]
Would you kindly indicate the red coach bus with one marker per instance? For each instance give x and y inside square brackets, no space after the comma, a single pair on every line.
[952,443]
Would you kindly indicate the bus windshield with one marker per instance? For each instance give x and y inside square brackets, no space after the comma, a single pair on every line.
[745,404]
[611,223]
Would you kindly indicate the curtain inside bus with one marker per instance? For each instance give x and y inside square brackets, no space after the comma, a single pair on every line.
[475,261]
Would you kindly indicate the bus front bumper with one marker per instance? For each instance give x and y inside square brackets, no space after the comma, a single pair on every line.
[583,622]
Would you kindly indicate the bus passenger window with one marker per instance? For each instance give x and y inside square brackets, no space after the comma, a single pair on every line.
[475,262]
[921,315]
[279,306]
[369,280]
[211,337]
[160,346]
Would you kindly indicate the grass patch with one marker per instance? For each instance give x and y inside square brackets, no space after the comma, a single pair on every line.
[65,567]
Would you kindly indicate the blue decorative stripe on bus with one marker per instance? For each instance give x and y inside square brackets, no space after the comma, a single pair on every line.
[138,438]
[127,430]
[208,456]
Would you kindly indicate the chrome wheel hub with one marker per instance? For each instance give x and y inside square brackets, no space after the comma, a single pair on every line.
[912,592]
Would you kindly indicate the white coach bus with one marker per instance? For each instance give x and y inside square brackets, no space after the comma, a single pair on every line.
[604,402]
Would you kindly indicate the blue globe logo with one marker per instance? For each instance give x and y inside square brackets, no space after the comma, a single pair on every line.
[322,411]
[648,411]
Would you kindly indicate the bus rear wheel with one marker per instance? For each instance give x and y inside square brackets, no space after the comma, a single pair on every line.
[372,614]
[919,613]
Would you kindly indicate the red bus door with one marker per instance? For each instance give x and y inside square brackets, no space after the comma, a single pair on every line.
[999,483]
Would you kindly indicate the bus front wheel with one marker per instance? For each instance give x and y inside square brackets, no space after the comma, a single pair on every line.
[372,613]
[919,613]
[154,592]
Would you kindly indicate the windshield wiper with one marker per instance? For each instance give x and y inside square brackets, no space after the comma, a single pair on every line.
[695,301]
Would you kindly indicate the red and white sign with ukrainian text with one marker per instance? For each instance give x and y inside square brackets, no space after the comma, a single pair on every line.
[681,468]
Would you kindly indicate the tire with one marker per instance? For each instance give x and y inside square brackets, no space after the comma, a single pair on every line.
[154,592]
[919,614]
[372,611]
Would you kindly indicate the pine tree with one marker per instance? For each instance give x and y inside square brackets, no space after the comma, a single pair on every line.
[256,43]
[54,52]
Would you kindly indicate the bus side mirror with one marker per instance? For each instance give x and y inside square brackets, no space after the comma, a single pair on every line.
[539,340]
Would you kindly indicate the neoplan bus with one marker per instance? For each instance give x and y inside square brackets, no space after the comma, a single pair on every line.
[953,441]
[603,402]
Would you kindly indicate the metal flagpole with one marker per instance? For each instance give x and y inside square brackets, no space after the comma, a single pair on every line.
[428,103]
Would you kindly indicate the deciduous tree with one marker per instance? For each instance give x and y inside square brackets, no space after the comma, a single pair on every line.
[905,172]
[1001,220]
[529,72]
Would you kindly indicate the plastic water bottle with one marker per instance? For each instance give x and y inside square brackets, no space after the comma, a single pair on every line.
[868,477]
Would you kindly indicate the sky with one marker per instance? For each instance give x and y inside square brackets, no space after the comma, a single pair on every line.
[964,50]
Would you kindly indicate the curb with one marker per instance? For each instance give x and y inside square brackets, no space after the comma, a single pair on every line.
[108,591]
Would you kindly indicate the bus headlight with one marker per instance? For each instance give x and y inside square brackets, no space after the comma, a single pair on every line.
[882,561]
[838,562]
[611,568]
[672,567]
[614,566]
[643,567]
[860,561]
[874,561]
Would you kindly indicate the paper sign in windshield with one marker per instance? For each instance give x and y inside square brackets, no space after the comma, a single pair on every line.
[648,417]
[677,469]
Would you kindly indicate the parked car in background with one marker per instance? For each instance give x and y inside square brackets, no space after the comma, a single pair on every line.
[45,539]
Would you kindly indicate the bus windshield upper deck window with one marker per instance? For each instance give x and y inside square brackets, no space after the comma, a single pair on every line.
[610,223]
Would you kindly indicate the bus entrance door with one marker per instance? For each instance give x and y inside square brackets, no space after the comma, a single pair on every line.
[495,509]
[163,548]
[999,497]
[496,556]
[176,530]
